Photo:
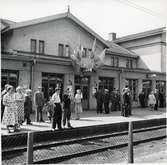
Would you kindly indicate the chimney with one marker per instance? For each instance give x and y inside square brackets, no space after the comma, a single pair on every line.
[111,36]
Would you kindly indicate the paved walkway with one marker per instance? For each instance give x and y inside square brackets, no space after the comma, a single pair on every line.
[90,118]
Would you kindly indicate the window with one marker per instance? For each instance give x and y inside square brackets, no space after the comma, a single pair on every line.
[129,63]
[84,52]
[132,84]
[33,45]
[114,61]
[9,77]
[41,46]
[61,50]
[106,83]
[67,51]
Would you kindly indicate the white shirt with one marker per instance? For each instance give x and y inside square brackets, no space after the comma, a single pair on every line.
[56,98]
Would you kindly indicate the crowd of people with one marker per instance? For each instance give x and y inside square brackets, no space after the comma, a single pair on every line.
[111,101]
[16,105]
[154,99]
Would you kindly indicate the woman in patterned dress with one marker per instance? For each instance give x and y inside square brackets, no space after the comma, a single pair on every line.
[20,98]
[78,104]
[10,118]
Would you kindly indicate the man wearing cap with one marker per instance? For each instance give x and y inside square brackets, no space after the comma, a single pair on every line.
[57,113]
[39,102]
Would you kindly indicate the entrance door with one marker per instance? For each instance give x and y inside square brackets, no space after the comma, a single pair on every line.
[83,84]
[49,83]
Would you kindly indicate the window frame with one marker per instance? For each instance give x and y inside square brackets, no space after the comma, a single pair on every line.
[43,46]
[60,45]
[31,45]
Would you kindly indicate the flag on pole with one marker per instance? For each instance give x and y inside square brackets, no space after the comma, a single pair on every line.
[99,59]
[94,46]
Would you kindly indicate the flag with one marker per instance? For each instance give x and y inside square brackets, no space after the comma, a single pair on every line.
[99,59]
[94,46]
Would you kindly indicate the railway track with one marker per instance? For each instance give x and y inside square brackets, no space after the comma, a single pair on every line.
[57,151]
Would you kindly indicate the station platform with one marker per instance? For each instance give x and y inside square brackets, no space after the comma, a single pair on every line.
[91,118]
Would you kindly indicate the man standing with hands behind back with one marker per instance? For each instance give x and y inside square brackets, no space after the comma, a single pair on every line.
[39,102]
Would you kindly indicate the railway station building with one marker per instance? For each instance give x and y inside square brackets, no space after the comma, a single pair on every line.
[38,53]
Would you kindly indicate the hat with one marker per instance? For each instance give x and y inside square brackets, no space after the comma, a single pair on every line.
[18,88]
[57,89]
[28,90]
[9,87]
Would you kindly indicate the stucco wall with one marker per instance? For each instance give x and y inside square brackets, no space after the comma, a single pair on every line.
[150,57]
[63,31]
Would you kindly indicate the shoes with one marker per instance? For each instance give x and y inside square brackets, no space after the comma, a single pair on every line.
[29,123]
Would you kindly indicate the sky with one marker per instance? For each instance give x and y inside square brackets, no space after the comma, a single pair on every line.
[123,17]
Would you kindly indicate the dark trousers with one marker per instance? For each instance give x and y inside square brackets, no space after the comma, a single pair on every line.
[27,115]
[57,116]
[156,106]
[2,110]
[106,107]
[125,110]
[99,107]
[113,106]
[67,116]
[39,116]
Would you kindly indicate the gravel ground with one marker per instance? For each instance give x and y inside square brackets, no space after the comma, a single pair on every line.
[151,152]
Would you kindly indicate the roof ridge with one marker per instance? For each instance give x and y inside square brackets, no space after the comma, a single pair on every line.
[140,34]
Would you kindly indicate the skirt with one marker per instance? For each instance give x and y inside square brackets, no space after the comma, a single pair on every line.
[20,111]
[10,116]
[78,108]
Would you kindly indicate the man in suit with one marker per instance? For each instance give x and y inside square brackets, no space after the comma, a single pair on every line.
[106,100]
[157,99]
[99,100]
[39,102]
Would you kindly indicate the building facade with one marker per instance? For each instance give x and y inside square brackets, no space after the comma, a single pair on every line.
[37,53]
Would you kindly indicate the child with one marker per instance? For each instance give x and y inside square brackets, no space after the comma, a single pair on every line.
[151,101]
[49,109]
[78,104]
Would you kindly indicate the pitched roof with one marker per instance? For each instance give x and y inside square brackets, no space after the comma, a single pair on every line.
[140,35]
[115,48]
[56,17]
[5,23]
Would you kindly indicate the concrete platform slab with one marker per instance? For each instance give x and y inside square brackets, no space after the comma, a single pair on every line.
[91,118]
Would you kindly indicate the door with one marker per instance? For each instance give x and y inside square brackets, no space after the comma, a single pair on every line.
[82,83]
[49,83]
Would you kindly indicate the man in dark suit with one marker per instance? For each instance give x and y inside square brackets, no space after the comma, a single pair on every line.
[106,100]
[157,99]
[99,100]
[39,102]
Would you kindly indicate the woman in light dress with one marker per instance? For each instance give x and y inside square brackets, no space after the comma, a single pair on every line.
[10,118]
[78,104]
[151,100]
[20,98]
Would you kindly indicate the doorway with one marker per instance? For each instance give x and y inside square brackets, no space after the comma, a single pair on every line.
[83,84]
[49,83]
